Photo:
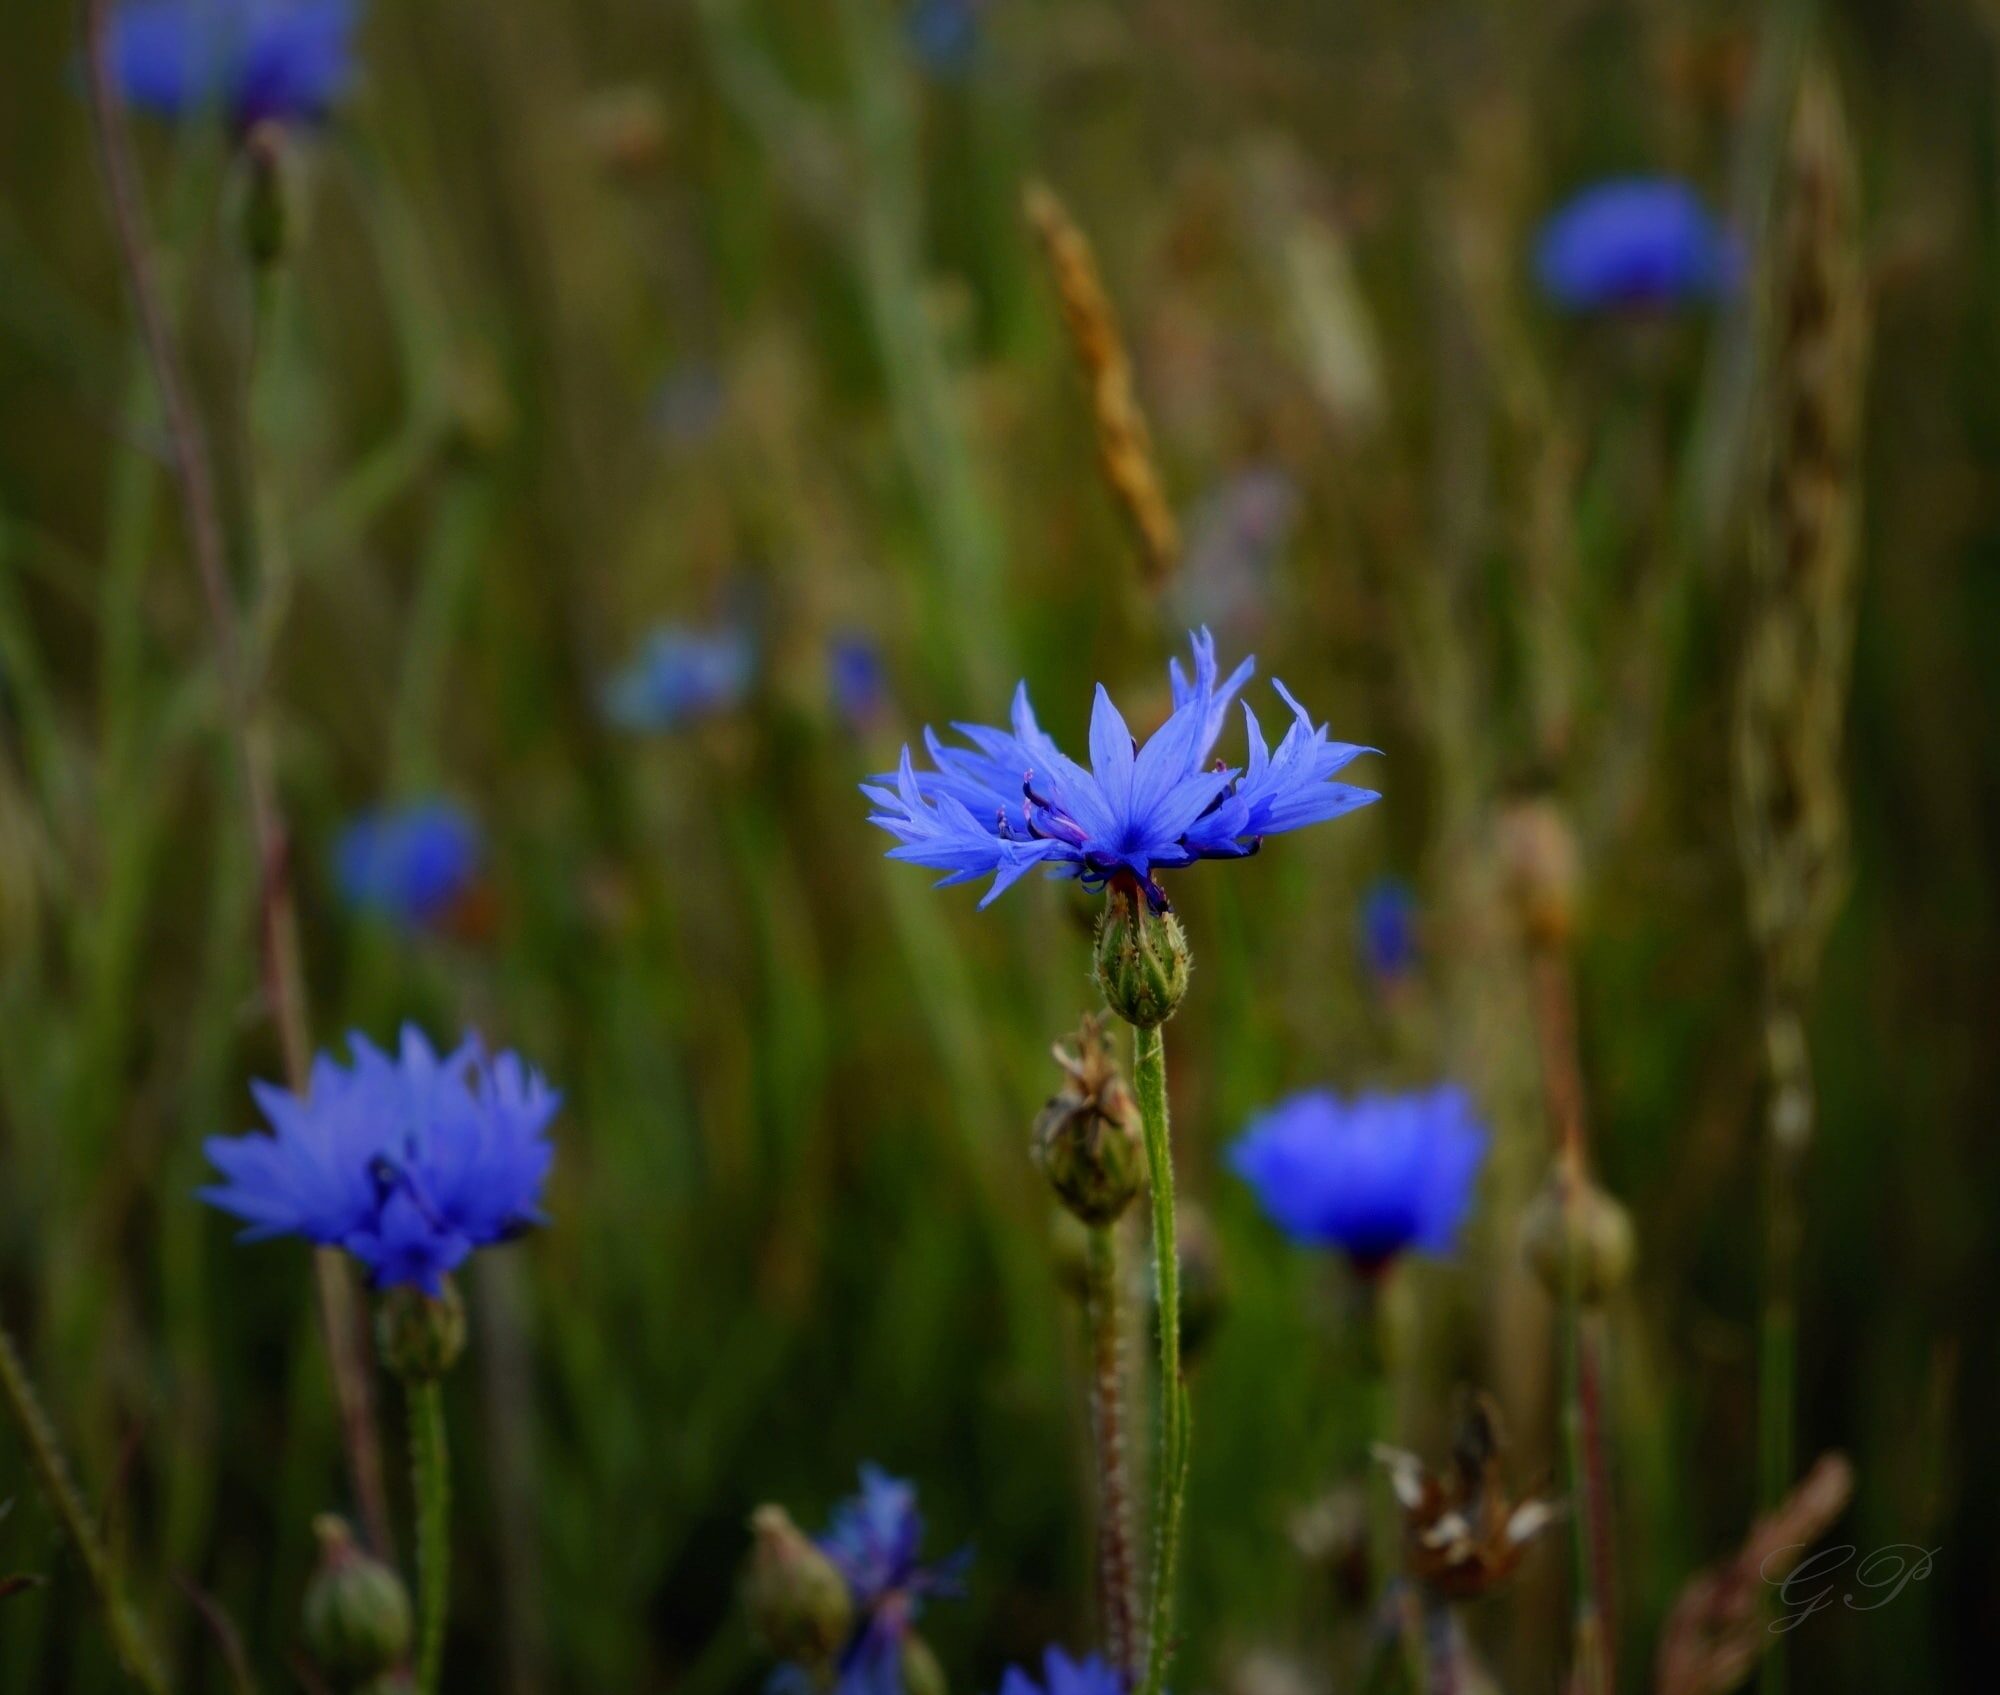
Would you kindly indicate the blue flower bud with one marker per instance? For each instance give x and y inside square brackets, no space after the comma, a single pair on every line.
[1141,959]
[798,1602]
[357,1612]
[1087,1137]
[420,1337]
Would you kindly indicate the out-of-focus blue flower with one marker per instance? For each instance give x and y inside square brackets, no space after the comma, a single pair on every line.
[1635,242]
[248,59]
[413,864]
[1388,930]
[857,680]
[680,675]
[1063,1676]
[1014,800]
[409,1163]
[875,1539]
[1373,1175]
[944,34]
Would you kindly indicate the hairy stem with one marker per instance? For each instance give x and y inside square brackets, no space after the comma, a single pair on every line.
[128,1637]
[431,1483]
[1117,1575]
[1149,1077]
[282,971]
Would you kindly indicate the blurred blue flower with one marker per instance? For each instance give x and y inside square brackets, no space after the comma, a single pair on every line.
[411,864]
[680,675]
[1388,930]
[1063,1676]
[874,1540]
[1372,1176]
[944,34]
[857,680]
[1635,242]
[248,59]
[1014,800]
[409,1163]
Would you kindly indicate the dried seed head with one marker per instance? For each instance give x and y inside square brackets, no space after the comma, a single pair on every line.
[1087,1139]
[1587,1236]
[1124,444]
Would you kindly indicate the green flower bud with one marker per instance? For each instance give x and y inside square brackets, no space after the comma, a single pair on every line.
[1593,1230]
[420,1338]
[357,1612]
[269,194]
[1087,1138]
[798,1603]
[1141,959]
[923,1673]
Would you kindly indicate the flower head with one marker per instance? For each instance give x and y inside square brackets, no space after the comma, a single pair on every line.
[413,865]
[249,59]
[1014,800]
[1635,242]
[1387,925]
[408,1162]
[681,675]
[1372,1176]
[1063,1676]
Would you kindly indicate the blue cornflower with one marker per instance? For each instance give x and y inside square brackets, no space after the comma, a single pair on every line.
[857,680]
[1635,242]
[1014,800]
[1063,1676]
[680,675]
[874,1540]
[409,1163]
[413,865]
[248,59]
[1387,924]
[1372,1176]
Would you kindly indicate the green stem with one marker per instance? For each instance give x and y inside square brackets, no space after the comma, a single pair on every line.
[1790,1128]
[432,1485]
[1117,1577]
[1149,1076]
[128,1637]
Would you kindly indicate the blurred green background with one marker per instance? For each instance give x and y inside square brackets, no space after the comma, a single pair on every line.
[614,312]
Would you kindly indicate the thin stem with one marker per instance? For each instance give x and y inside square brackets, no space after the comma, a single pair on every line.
[1149,1078]
[1117,1574]
[1376,1367]
[431,1483]
[283,974]
[128,1637]
[1553,999]
[1789,1129]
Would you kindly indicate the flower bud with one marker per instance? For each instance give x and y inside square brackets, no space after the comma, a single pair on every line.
[1141,959]
[923,1673]
[798,1602]
[267,210]
[357,1612]
[1590,1231]
[420,1337]
[1538,859]
[1087,1137]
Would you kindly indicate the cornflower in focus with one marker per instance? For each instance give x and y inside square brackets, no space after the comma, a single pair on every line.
[408,1162]
[417,866]
[249,60]
[1063,1676]
[1014,800]
[1635,242]
[1373,1176]
[681,675]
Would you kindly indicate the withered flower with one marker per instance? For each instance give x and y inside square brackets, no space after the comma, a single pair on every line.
[1465,1532]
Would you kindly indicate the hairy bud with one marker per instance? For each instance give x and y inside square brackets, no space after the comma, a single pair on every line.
[796,1599]
[420,1337]
[1589,1231]
[357,1612]
[1087,1137]
[1141,959]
